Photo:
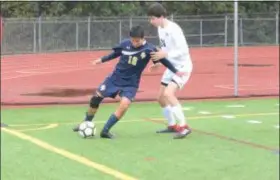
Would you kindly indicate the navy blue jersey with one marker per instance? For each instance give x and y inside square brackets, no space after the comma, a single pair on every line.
[131,63]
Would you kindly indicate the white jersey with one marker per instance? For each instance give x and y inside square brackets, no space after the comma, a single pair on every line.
[173,41]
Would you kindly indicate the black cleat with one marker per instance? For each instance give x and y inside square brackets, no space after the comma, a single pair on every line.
[76,128]
[169,129]
[107,135]
[182,134]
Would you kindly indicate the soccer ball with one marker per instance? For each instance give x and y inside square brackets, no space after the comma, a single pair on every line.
[87,129]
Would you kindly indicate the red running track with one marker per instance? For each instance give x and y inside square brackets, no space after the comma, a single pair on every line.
[70,78]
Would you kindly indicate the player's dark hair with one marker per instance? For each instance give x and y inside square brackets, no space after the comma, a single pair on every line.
[136,32]
[157,10]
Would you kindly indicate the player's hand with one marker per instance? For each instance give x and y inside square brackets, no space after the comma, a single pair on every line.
[154,67]
[97,61]
[181,74]
[155,56]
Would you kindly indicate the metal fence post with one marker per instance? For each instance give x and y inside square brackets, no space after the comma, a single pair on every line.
[40,33]
[120,31]
[241,32]
[226,30]
[235,43]
[77,35]
[88,40]
[34,37]
[201,31]
[130,22]
[172,17]
[277,28]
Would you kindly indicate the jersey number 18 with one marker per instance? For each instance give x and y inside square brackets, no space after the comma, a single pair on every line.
[132,60]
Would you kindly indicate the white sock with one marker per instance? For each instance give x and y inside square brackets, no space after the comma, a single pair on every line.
[179,114]
[168,114]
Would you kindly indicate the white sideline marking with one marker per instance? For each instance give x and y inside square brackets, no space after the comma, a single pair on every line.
[38,72]
[71,123]
[204,112]
[245,87]
[40,128]
[30,72]
[277,126]
[235,106]
[141,120]
[230,86]
[277,104]
[187,108]
[228,116]
[254,122]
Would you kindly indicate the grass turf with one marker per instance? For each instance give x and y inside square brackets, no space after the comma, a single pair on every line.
[218,148]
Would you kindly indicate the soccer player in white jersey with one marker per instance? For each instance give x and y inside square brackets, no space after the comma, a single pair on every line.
[175,48]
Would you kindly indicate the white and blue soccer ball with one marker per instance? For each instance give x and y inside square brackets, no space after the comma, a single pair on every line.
[87,129]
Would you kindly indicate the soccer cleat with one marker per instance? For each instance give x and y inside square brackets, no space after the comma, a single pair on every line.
[183,132]
[107,135]
[169,129]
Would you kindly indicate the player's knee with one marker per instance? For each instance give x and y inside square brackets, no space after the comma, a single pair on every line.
[123,107]
[171,89]
[125,102]
[166,94]
[95,100]
[161,99]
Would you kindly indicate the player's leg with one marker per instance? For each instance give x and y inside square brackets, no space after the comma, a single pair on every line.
[166,108]
[127,95]
[106,89]
[115,117]
[93,107]
[170,94]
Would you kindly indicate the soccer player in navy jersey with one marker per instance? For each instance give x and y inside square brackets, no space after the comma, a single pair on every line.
[124,81]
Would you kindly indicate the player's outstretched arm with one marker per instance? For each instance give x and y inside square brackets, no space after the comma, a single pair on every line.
[117,51]
[97,61]
[168,65]
[111,56]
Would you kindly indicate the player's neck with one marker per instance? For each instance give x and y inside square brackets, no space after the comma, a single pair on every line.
[165,23]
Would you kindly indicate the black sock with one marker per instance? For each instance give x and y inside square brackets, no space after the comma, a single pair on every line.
[89,117]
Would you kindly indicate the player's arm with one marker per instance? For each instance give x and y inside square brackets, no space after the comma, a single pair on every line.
[163,61]
[167,64]
[116,53]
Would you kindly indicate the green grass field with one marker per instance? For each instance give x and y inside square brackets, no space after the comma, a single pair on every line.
[227,143]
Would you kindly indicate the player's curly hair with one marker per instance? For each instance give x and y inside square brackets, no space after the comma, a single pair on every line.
[157,10]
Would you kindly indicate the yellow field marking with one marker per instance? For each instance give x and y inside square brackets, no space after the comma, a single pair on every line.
[69,155]
[50,126]
[141,120]
[67,123]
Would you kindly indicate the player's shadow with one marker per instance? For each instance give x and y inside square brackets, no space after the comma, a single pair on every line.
[66,92]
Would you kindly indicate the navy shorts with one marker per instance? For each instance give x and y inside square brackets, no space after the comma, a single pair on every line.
[109,89]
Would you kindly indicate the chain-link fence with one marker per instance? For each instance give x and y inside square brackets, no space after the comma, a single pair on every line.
[37,76]
[42,34]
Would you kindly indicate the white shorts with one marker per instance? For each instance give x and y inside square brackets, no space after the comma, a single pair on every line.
[169,76]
